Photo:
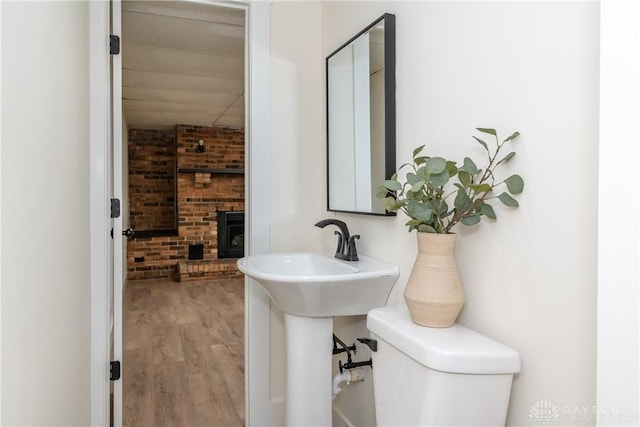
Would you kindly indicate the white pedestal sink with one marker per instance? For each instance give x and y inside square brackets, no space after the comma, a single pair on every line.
[312,288]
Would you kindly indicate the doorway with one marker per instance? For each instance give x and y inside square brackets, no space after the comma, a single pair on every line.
[259,409]
[183,115]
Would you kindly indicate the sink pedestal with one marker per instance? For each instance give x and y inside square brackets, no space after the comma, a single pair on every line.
[309,344]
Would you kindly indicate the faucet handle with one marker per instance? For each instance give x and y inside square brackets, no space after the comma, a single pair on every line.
[352,253]
[341,243]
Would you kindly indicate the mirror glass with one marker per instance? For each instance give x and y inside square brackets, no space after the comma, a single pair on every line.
[361,119]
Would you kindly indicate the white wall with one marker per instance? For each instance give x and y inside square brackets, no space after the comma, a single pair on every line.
[618,240]
[297,131]
[297,146]
[530,278]
[45,217]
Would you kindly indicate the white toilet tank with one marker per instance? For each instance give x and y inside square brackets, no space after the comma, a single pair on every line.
[438,376]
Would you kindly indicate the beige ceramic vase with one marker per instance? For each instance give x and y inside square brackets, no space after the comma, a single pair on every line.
[434,294]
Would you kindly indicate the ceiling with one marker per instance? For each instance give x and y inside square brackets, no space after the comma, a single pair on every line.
[182,63]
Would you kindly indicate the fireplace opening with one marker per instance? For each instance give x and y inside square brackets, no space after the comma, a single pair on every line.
[230,234]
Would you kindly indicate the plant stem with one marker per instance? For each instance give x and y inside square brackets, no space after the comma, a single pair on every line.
[487,173]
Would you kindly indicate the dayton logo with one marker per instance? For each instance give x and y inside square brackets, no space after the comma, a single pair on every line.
[543,412]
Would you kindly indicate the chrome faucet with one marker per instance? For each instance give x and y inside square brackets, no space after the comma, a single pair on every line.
[346,249]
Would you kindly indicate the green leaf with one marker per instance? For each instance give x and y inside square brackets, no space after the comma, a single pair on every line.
[417,150]
[440,206]
[515,184]
[506,158]
[413,222]
[481,188]
[422,173]
[394,177]
[424,228]
[484,144]
[471,219]
[420,160]
[512,136]
[417,210]
[412,178]
[440,179]
[382,192]
[417,186]
[486,130]
[452,168]
[436,165]
[469,166]
[487,210]
[412,195]
[392,185]
[462,200]
[464,177]
[508,200]
[392,205]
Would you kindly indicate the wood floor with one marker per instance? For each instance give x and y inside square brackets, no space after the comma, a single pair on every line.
[183,354]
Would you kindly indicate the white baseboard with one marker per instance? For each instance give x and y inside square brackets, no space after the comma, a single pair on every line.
[277,411]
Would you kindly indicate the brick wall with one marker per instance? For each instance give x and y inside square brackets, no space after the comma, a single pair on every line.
[199,196]
[224,147]
[152,185]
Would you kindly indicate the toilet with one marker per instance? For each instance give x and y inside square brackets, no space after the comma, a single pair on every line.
[438,376]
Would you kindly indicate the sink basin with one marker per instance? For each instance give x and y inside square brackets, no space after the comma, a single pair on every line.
[312,284]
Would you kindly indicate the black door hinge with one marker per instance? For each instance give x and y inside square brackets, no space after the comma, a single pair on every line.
[114,45]
[115,208]
[114,372]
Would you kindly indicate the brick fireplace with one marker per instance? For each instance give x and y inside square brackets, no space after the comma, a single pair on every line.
[207,182]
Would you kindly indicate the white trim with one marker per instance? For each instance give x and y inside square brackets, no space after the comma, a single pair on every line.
[257,306]
[233,4]
[98,208]
[116,177]
[0,212]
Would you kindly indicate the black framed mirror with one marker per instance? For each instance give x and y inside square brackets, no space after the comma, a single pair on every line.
[361,118]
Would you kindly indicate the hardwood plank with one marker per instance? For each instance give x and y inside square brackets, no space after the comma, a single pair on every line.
[162,408]
[183,361]
[181,396]
[232,360]
[138,401]
[136,296]
[136,328]
[222,397]
[204,402]
[166,344]
[194,349]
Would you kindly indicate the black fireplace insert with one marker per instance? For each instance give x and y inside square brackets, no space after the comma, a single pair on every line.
[230,234]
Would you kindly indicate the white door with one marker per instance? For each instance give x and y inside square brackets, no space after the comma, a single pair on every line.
[119,244]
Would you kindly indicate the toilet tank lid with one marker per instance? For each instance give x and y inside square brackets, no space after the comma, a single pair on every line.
[456,349]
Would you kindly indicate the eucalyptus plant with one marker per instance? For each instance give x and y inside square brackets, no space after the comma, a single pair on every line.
[426,194]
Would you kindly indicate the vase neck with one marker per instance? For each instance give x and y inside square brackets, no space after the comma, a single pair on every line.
[434,244]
